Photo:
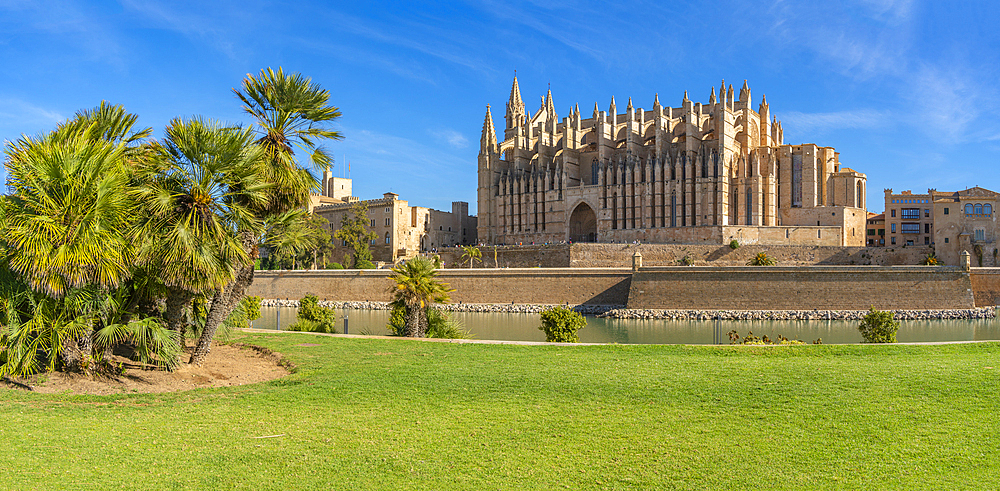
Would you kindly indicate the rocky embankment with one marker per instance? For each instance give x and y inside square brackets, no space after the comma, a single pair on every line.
[619,312]
[761,315]
[498,308]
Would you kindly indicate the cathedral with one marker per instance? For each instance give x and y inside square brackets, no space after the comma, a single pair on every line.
[698,173]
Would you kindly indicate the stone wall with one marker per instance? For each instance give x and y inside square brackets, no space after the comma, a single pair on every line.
[986,286]
[794,288]
[620,255]
[606,255]
[577,286]
[694,288]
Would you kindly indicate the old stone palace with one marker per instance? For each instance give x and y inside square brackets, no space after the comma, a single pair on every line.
[698,173]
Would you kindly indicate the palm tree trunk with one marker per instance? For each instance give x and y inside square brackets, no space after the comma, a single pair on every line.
[177,303]
[416,321]
[225,302]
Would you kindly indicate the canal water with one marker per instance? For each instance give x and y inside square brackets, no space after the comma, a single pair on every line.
[524,327]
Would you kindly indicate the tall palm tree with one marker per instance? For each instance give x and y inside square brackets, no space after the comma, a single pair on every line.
[472,253]
[196,208]
[291,112]
[417,288]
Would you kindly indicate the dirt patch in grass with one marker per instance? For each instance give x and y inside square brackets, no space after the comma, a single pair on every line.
[226,365]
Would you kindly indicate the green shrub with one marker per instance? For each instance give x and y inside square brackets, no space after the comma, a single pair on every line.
[734,244]
[560,325]
[313,318]
[334,266]
[879,327]
[687,260]
[930,260]
[441,325]
[762,259]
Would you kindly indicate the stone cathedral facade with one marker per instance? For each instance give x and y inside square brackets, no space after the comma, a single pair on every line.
[698,173]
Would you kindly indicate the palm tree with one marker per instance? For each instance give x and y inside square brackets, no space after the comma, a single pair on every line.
[196,208]
[294,233]
[472,253]
[291,112]
[416,289]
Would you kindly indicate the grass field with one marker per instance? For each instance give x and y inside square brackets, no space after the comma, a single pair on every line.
[399,414]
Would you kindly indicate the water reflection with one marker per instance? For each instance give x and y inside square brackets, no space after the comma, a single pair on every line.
[524,327]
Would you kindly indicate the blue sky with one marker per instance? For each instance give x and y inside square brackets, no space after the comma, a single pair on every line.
[905,90]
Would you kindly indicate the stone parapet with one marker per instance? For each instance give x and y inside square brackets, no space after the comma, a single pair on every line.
[801,288]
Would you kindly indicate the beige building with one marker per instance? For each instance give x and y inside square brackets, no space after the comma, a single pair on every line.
[965,221]
[403,230]
[909,218]
[692,174]
[876,229]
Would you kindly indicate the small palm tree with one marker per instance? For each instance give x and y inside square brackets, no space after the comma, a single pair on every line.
[472,253]
[416,289]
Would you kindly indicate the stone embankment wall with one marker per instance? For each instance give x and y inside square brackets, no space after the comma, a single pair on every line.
[986,286]
[620,255]
[576,286]
[679,288]
[801,288]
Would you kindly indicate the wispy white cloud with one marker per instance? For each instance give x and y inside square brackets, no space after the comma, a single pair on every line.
[16,111]
[451,137]
[820,122]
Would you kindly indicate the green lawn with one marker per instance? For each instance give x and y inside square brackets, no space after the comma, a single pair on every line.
[398,414]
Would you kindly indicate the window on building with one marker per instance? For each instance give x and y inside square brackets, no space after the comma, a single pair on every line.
[388,210]
[892,227]
[979,209]
[946,240]
[892,240]
[387,239]
[373,222]
[386,222]
[910,228]
[980,234]
[909,242]
[911,213]
[893,213]
[927,228]
[968,209]
[946,210]
[871,231]
[927,213]
[987,209]
[927,240]
[881,231]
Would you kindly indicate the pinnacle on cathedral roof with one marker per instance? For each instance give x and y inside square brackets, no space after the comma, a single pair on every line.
[489,133]
[711,97]
[515,101]
[613,110]
[656,100]
[597,111]
[629,106]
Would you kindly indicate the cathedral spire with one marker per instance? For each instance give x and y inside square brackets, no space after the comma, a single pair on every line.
[729,96]
[489,138]
[656,101]
[515,106]
[597,112]
[711,97]
[629,106]
[763,108]
[613,110]
[686,96]
[745,93]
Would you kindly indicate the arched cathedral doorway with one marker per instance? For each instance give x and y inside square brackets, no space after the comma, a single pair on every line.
[583,224]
